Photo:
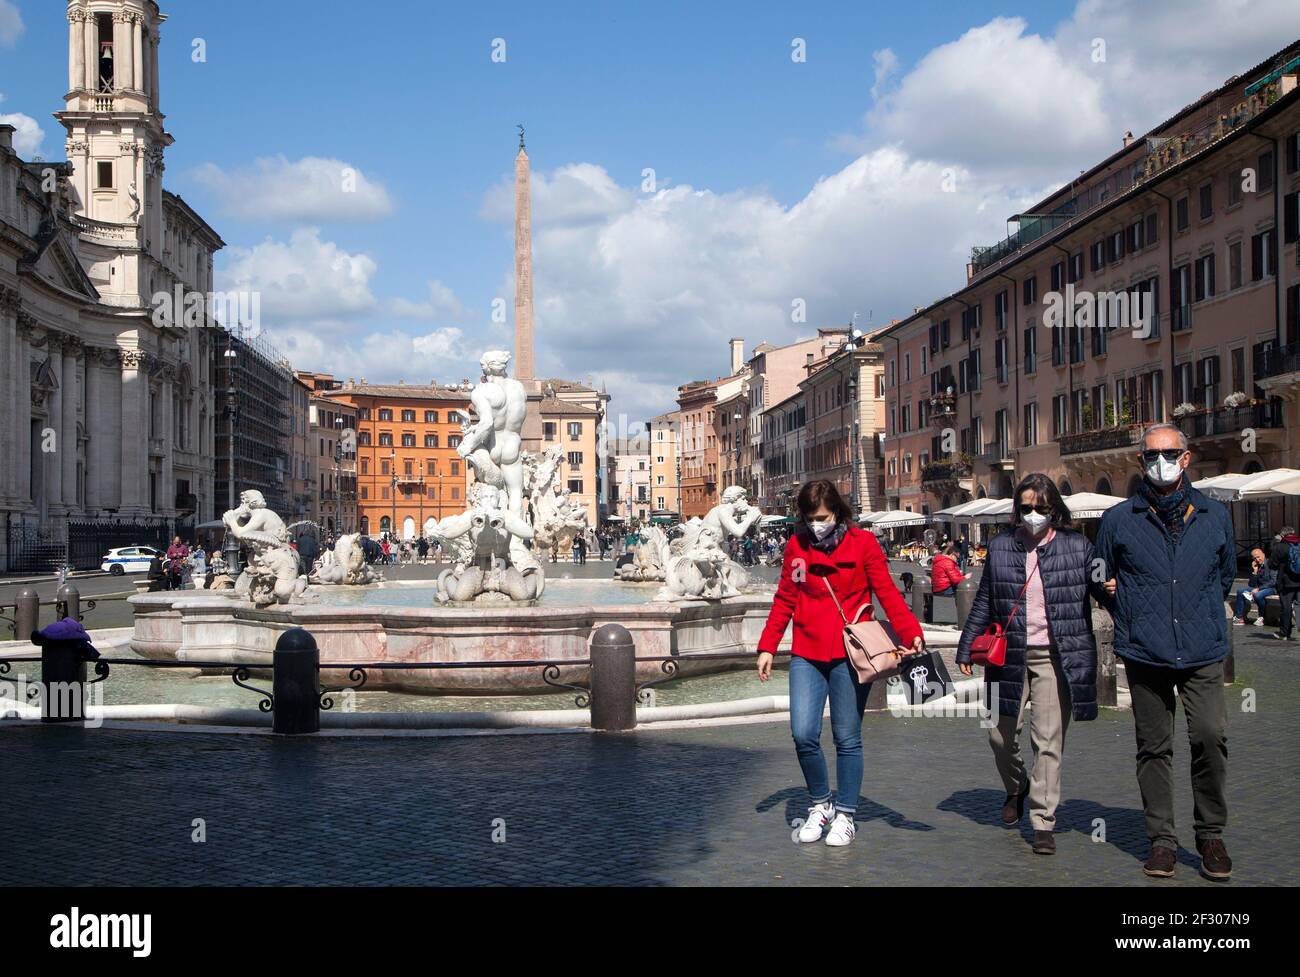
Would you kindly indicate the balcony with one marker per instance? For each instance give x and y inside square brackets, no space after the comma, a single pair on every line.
[1114,439]
[945,475]
[997,456]
[943,409]
[1276,367]
[1229,422]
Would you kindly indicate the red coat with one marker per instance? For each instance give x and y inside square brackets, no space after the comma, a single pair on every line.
[858,570]
[944,573]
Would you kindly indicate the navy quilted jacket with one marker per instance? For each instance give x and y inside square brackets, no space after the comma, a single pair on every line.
[1168,606]
[1064,566]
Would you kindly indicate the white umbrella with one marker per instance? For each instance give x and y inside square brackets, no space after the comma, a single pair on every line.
[998,510]
[898,518]
[1090,505]
[871,516]
[1261,485]
[967,511]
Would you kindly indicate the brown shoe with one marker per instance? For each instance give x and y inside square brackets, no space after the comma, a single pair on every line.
[1013,808]
[1215,863]
[1044,843]
[1162,862]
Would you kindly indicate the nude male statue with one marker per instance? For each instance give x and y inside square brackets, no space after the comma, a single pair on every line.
[493,445]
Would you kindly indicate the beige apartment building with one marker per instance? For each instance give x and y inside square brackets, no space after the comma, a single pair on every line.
[629,467]
[664,433]
[1162,284]
[573,415]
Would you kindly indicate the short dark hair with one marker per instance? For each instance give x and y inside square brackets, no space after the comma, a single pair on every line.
[1045,490]
[822,492]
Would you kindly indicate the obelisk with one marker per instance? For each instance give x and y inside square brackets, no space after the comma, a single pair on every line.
[524,364]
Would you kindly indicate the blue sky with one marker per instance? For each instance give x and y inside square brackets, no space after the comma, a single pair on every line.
[762,164]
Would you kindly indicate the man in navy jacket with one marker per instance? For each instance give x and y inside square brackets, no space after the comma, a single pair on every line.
[1169,557]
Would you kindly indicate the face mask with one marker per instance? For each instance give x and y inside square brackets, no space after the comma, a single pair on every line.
[1035,522]
[1163,472]
[822,529]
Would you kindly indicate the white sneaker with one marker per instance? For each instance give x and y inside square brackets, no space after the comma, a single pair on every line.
[818,817]
[1259,621]
[842,831]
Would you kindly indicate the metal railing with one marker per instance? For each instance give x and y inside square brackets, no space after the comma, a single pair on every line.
[1231,421]
[1272,361]
[1104,439]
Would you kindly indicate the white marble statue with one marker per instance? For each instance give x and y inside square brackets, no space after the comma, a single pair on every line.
[697,566]
[649,558]
[499,566]
[271,576]
[344,564]
[556,518]
[492,442]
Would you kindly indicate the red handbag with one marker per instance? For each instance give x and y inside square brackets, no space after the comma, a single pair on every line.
[990,648]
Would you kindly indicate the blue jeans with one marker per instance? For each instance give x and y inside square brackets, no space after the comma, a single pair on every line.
[949,591]
[810,683]
[1243,601]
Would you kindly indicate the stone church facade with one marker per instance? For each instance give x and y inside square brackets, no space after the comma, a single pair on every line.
[106,397]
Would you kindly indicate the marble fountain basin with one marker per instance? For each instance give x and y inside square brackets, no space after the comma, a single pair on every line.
[393,624]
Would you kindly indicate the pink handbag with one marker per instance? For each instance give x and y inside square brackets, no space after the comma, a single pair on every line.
[871,646]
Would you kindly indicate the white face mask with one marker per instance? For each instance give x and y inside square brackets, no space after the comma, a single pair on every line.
[1163,472]
[1035,522]
[822,528]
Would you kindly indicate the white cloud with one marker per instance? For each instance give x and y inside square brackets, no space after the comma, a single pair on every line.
[380,356]
[11,23]
[29,134]
[304,279]
[885,63]
[309,190]
[442,303]
[571,196]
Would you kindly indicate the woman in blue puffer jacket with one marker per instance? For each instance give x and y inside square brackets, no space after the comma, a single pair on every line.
[1041,571]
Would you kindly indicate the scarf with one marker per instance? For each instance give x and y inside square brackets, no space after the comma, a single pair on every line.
[1170,509]
[832,539]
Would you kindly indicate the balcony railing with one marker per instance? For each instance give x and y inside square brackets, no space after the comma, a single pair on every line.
[945,471]
[1272,361]
[1231,421]
[943,408]
[1104,439]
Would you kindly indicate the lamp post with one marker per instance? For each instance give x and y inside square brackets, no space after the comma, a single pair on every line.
[392,525]
[419,529]
[853,447]
[230,545]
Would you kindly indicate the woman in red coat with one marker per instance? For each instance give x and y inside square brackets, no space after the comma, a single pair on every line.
[829,551]
[944,573]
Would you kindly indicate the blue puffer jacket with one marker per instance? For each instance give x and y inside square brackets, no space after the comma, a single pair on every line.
[1168,606]
[1064,566]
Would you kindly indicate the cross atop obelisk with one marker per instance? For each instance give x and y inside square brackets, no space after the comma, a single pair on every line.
[523,267]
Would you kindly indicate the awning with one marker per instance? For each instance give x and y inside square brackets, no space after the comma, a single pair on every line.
[897,519]
[775,521]
[997,510]
[1090,505]
[968,511]
[1271,484]
[615,519]
[870,516]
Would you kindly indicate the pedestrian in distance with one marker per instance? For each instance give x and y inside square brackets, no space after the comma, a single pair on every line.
[1284,561]
[1259,588]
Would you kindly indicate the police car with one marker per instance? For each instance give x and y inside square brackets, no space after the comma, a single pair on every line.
[129,559]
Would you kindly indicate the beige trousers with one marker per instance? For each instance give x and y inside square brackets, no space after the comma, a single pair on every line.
[1047,693]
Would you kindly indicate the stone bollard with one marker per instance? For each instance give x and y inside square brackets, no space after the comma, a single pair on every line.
[27,614]
[613,679]
[1230,663]
[922,600]
[296,684]
[966,591]
[63,682]
[1103,629]
[67,602]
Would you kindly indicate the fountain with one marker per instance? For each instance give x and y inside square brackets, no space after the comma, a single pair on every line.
[494,604]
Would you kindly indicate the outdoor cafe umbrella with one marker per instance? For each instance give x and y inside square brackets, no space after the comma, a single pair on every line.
[775,521]
[998,510]
[871,516]
[898,518]
[967,511]
[1090,505]
[1269,484]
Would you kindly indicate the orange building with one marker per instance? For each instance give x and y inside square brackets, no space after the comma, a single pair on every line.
[407,466]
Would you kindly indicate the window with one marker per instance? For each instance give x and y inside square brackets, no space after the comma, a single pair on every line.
[383,492]
[1263,255]
[1180,296]
[1058,276]
[430,417]
[945,336]
[454,417]
[1152,232]
[406,468]
[1030,290]
[1060,419]
[1136,236]
[1000,359]
[363,438]
[975,368]
[1180,214]
[575,459]
[1234,189]
[1116,246]
[453,441]
[575,430]
[1290,218]
[1207,373]
[1265,171]
[1000,310]
[1238,356]
[1234,265]
[1076,267]
[1207,201]
[907,367]
[1031,350]
[1097,255]
[892,376]
[408,417]
[385,439]
[1292,156]
[383,466]
[1031,425]
[1183,383]
[548,430]
[1204,284]
[365,466]
[408,440]
[575,486]
[906,419]
[455,470]
[431,440]
[365,492]
[385,414]
[104,174]
[970,321]
[924,365]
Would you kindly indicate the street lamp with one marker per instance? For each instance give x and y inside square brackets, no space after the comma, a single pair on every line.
[392,525]
[230,545]
[853,448]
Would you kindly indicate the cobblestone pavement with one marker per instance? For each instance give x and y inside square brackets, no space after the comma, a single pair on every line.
[685,806]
